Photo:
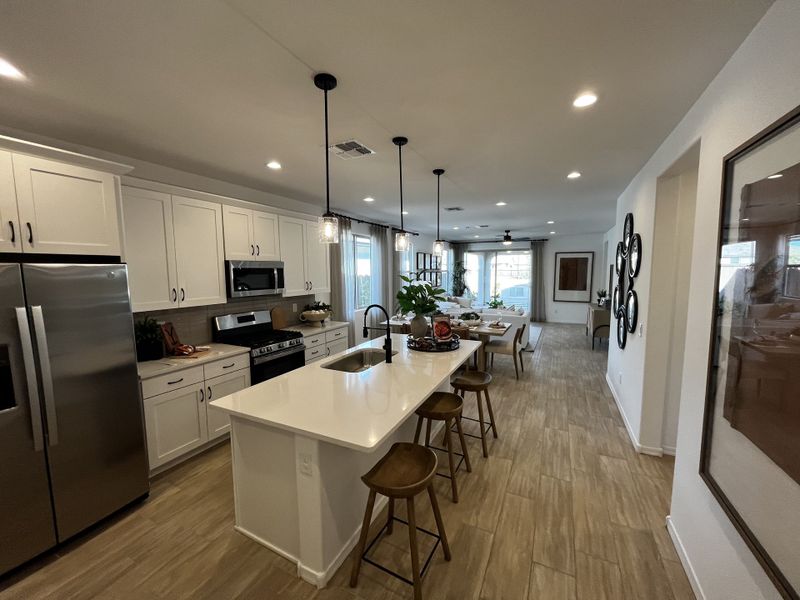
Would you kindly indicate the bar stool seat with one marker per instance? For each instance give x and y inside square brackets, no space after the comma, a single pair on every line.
[478,382]
[403,472]
[447,407]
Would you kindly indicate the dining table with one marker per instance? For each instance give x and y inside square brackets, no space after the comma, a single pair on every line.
[484,331]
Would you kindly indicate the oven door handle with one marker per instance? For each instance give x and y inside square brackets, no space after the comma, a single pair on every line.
[260,360]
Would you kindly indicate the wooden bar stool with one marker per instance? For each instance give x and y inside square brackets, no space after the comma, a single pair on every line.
[478,382]
[404,471]
[444,406]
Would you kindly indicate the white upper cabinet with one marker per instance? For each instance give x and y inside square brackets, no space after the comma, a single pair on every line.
[10,237]
[250,234]
[199,252]
[238,222]
[149,249]
[65,209]
[266,236]
[306,262]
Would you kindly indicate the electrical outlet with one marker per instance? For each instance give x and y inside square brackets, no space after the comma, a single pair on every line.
[641,329]
[619,377]
[305,465]
[294,306]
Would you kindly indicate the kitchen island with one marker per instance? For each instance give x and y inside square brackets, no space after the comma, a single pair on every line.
[301,441]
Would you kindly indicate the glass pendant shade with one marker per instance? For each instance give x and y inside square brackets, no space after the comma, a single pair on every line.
[402,241]
[328,229]
[438,248]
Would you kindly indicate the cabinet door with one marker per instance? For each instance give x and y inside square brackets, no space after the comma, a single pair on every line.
[218,421]
[238,223]
[10,235]
[198,251]
[317,260]
[293,252]
[337,346]
[266,236]
[149,249]
[65,209]
[175,423]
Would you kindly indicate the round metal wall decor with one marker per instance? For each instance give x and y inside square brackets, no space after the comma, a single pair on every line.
[627,263]
[635,255]
[632,310]
[619,265]
[627,232]
[615,301]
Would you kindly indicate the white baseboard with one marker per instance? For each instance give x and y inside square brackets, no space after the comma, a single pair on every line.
[687,565]
[641,449]
[670,450]
[265,543]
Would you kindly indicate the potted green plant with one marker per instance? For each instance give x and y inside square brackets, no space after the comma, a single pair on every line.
[459,283]
[149,340]
[601,297]
[495,302]
[420,299]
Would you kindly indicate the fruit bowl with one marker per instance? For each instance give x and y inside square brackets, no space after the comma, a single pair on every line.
[314,317]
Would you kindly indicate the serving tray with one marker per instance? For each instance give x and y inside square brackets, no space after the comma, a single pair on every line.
[428,344]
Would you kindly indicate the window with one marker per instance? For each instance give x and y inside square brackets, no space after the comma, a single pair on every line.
[791,285]
[363,256]
[502,273]
[740,255]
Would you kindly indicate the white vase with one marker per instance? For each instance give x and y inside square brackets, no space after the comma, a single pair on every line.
[419,326]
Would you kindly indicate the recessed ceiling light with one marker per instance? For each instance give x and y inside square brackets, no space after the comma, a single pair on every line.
[476,236]
[584,100]
[551,222]
[9,70]
[455,227]
[500,204]
[776,176]
[552,233]
[274,165]
[573,175]
[369,199]
[405,212]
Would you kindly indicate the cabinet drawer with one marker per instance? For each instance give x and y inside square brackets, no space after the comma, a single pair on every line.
[226,365]
[171,381]
[314,340]
[316,352]
[336,334]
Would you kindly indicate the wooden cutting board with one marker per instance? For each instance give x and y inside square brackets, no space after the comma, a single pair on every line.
[280,319]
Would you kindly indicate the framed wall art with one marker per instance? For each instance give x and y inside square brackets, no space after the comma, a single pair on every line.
[750,455]
[573,277]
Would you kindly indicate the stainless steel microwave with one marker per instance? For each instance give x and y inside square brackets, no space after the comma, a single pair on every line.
[254,278]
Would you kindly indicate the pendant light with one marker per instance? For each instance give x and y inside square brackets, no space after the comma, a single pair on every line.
[507,238]
[438,245]
[328,223]
[402,239]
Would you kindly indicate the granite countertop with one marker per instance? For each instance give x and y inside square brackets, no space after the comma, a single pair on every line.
[152,368]
[308,329]
[355,410]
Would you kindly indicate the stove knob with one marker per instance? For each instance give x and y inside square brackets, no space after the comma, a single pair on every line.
[282,345]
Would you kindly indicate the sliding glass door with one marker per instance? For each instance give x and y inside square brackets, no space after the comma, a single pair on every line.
[505,274]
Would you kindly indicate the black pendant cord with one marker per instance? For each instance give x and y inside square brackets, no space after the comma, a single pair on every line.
[438,197]
[400,154]
[327,161]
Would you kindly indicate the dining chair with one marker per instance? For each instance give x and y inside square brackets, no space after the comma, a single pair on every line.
[511,348]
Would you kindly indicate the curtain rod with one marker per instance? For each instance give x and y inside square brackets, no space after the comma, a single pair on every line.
[499,241]
[365,222]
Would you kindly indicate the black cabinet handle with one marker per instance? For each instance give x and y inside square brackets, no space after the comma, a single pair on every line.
[258,250]
[30,232]
[174,382]
[209,393]
[311,285]
[183,295]
[202,397]
[252,250]
[228,366]
[13,235]
[174,295]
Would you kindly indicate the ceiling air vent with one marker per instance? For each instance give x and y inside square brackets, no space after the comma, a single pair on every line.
[454,209]
[350,149]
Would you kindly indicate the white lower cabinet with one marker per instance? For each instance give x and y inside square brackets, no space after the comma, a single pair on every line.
[179,420]
[325,343]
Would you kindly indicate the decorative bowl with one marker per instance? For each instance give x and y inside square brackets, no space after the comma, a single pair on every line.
[471,322]
[314,317]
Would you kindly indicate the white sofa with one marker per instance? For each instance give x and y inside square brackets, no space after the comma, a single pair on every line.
[516,319]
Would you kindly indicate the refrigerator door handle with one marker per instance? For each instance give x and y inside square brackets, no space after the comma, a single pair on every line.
[30,376]
[47,375]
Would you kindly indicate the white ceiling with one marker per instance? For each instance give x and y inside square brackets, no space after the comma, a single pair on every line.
[481,89]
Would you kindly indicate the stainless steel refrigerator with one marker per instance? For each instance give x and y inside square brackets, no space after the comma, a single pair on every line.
[72,447]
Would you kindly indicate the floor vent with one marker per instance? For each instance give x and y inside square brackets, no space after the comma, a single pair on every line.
[350,149]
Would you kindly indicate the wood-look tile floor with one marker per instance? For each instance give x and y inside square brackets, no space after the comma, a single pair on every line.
[562,509]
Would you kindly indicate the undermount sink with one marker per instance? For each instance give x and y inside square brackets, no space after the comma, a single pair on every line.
[359,361]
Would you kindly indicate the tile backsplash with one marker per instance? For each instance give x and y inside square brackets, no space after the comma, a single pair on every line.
[194,324]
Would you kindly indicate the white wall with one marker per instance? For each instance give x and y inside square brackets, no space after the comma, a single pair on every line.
[572,312]
[757,86]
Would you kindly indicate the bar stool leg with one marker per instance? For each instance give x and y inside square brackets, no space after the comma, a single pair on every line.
[491,412]
[483,429]
[439,524]
[428,434]
[412,540]
[418,431]
[449,445]
[362,540]
[464,450]
[390,518]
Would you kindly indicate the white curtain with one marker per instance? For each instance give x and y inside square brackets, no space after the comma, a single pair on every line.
[537,282]
[381,264]
[343,276]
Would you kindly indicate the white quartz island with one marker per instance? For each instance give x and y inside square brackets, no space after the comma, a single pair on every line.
[300,443]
